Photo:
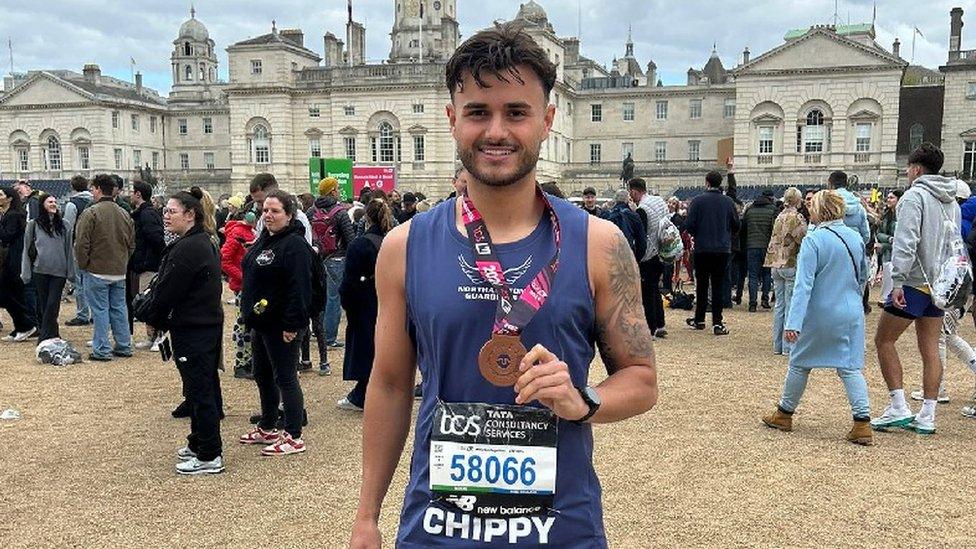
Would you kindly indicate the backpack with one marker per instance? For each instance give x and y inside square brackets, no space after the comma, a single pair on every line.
[954,279]
[325,229]
[616,217]
[670,246]
[80,204]
[681,300]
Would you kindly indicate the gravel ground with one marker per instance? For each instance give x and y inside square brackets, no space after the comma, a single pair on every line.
[91,462]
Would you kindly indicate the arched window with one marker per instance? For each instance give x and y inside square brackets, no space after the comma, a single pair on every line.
[187,49]
[813,132]
[203,76]
[915,136]
[52,154]
[188,73]
[261,145]
[211,75]
[386,144]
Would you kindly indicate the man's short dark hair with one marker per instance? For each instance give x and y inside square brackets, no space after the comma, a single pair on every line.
[144,190]
[637,184]
[105,183]
[928,156]
[79,183]
[263,182]
[499,51]
[837,179]
[589,191]
[713,179]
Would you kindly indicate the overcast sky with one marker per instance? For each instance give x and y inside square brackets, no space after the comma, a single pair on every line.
[61,34]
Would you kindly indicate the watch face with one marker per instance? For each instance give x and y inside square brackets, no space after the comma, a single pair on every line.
[592,395]
[437,5]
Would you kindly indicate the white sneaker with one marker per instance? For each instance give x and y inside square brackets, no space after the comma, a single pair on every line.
[892,418]
[922,425]
[194,466]
[344,404]
[969,411]
[22,336]
[8,338]
[144,344]
[88,343]
[185,454]
[943,396]
[155,345]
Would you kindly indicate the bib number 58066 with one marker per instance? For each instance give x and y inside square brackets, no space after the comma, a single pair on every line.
[475,468]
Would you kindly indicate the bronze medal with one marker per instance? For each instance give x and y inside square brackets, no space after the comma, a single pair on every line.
[499,359]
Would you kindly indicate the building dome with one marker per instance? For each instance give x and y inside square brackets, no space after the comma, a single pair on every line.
[194,30]
[531,11]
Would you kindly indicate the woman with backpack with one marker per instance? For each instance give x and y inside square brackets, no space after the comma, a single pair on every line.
[277,302]
[358,295]
[49,261]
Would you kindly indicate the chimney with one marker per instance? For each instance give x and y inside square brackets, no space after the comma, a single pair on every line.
[139,83]
[651,73]
[295,36]
[745,55]
[955,33]
[92,73]
[333,50]
[896,48]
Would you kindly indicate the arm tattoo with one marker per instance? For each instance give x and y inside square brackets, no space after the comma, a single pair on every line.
[626,316]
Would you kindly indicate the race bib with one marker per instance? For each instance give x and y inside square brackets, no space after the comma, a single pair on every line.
[493,460]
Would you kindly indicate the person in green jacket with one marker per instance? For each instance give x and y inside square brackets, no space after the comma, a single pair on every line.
[883,239]
[757,224]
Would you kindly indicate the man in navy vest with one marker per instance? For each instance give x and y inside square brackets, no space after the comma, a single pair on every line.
[503,453]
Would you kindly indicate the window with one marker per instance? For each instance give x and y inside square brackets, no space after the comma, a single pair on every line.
[349,110]
[182,125]
[730,108]
[184,161]
[23,157]
[255,66]
[694,151]
[596,113]
[135,122]
[118,159]
[386,143]
[313,112]
[261,152]
[626,149]
[662,110]
[208,125]
[971,90]
[349,144]
[813,135]
[628,112]
[152,124]
[136,158]
[52,155]
[969,160]
[418,108]
[155,160]
[188,73]
[694,108]
[187,50]
[208,160]
[595,153]
[418,148]
[84,158]
[569,152]
[863,138]
[315,147]
[660,151]
[765,140]
[115,120]
[915,136]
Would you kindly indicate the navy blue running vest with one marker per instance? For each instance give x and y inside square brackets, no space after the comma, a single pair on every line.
[450,311]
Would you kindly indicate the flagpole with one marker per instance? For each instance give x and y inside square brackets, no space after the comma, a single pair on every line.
[420,41]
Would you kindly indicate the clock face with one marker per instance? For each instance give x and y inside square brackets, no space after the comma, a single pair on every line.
[437,6]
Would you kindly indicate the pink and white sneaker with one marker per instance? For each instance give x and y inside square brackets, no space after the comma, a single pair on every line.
[284,446]
[260,436]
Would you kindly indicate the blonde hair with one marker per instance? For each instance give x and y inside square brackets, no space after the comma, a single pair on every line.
[828,205]
[209,209]
[423,206]
[793,197]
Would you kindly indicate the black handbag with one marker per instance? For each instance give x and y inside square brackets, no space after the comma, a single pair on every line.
[142,302]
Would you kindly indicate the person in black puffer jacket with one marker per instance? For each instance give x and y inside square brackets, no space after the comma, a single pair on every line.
[276,302]
[186,302]
[757,224]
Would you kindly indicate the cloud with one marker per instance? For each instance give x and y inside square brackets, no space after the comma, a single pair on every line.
[64,34]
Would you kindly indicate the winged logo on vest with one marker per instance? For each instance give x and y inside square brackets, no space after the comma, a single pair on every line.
[511,275]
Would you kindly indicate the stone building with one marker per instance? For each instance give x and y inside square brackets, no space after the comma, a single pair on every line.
[959,113]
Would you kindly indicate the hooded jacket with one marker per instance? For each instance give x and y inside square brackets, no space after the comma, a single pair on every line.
[148,227]
[968,210]
[855,216]
[237,235]
[919,235]
[278,269]
[758,223]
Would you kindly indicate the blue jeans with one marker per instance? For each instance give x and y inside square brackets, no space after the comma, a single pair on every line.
[854,385]
[107,302]
[334,269]
[82,311]
[756,257]
[783,290]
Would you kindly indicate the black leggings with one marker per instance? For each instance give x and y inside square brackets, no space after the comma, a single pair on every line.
[15,302]
[276,373]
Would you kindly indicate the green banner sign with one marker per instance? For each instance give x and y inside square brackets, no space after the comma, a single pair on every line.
[341,169]
[316,171]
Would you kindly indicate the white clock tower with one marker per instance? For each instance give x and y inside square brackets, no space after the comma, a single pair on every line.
[432,36]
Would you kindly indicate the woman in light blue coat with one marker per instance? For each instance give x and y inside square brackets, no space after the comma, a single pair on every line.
[826,318]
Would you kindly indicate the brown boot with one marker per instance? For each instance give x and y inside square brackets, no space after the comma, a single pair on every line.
[779,420]
[861,433]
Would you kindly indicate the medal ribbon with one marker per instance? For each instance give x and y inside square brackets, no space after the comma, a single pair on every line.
[510,318]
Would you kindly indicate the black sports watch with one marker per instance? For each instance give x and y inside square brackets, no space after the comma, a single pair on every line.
[592,399]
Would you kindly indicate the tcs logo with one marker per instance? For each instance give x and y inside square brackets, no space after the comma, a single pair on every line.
[460,425]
